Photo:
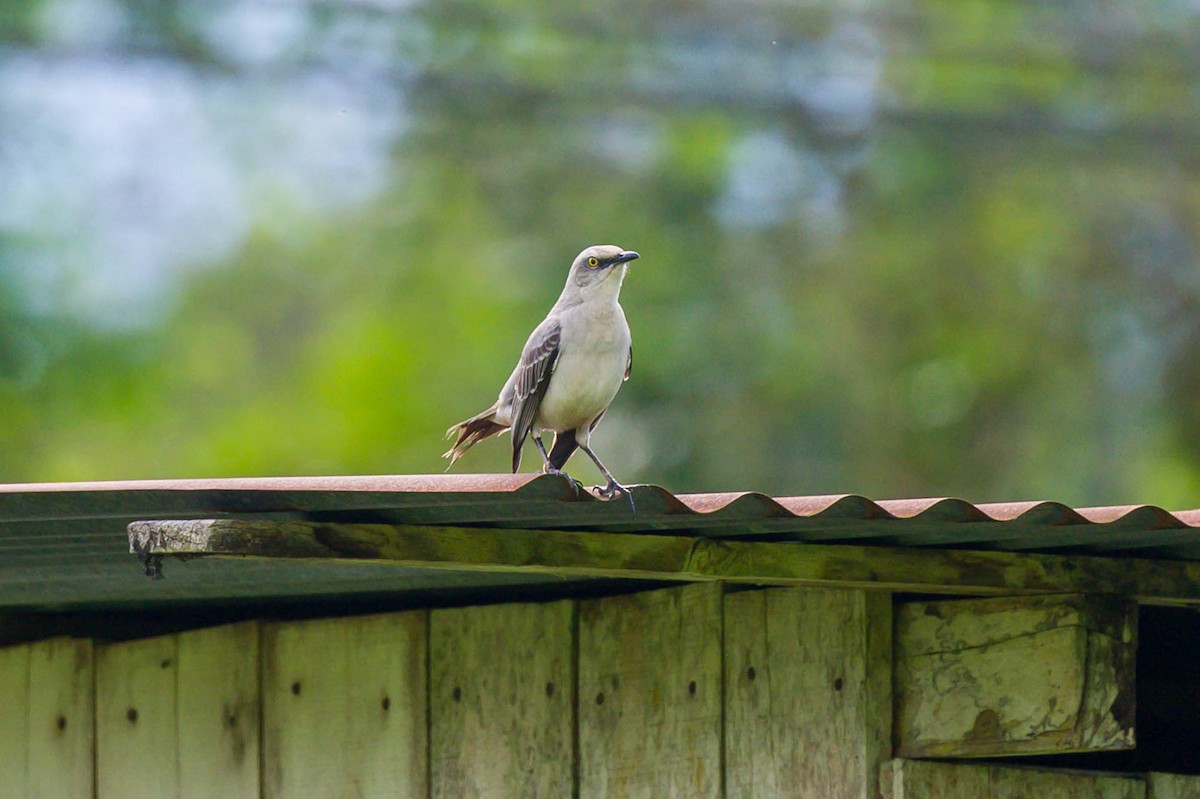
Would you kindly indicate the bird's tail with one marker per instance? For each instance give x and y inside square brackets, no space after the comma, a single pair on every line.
[471,431]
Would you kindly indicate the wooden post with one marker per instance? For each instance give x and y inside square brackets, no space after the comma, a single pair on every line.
[502,695]
[344,708]
[650,695]
[808,692]
[1015,675]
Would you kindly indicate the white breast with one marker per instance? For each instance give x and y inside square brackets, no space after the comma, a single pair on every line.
[593,354]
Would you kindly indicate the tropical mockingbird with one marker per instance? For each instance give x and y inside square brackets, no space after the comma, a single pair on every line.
[571,368]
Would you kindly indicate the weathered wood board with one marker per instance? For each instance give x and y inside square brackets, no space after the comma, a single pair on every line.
[650,695]
[137,747]
[916,779]
[344,708]
[673,557]
[14,722]
[502,687]
[46,720]
[61,719]
[808,692]
[1025,783]
[218,711]
[1172,786]
[1015,675]
[177,716]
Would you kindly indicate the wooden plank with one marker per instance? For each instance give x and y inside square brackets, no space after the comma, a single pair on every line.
[136,746]
[218,711]
[1022,783]
[1015,675]
[61,719]
[1172,786]
[916,779]
[502,700]
[808,692]
[14,722]
[650,695]
[344,708]
[656,557]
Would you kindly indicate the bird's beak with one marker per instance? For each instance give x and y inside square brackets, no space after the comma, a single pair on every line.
[628,255]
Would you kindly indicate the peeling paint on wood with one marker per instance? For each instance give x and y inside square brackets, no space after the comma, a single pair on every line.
[1015,675]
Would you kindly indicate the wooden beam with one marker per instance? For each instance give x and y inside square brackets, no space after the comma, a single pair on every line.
[921,779]
[658,557]
[1015,676]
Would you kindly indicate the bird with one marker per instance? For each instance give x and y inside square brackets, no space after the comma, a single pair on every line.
[570,370]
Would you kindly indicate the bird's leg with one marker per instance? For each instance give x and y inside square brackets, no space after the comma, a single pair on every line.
[576,486]
[613,486]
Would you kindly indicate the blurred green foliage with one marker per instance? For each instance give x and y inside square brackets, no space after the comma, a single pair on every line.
[945,249]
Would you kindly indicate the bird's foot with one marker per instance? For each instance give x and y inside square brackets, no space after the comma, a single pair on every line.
[575,486]
[612,489]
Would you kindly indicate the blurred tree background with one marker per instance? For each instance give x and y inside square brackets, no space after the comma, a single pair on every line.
[899,249]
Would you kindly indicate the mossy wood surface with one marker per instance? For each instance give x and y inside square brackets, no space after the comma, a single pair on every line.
[659,557]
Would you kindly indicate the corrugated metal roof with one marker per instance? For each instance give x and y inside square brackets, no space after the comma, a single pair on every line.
[64,545]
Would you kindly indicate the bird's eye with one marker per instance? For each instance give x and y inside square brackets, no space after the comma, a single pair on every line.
[593,262]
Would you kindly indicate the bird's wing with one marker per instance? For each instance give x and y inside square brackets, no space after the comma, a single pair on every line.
[532,377]
[629,363]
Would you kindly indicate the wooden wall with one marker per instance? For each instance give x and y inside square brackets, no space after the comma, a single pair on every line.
[686,692]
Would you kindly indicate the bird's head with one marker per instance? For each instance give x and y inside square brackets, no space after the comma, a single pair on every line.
[599,268]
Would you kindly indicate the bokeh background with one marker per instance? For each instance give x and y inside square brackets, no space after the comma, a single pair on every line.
[907,248]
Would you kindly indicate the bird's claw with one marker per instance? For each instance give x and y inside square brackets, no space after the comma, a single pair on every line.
[612,489]
[575,486]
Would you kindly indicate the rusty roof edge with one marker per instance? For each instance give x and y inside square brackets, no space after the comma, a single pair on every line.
[487,483]
[482,487]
